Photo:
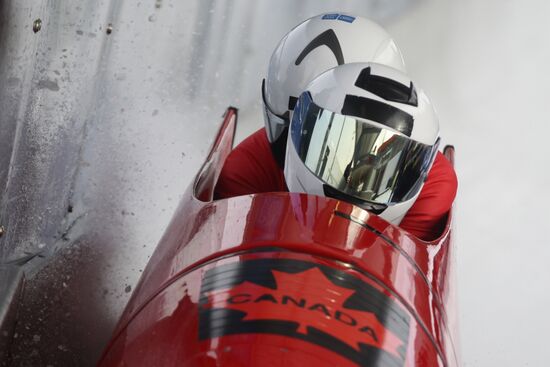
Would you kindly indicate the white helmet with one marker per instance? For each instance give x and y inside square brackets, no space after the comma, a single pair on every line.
[314,46]
[365,134]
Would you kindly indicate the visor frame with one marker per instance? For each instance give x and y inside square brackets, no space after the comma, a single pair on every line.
[404,188]
[274,121]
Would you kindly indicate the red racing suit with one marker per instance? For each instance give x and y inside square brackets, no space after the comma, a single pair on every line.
[251,168]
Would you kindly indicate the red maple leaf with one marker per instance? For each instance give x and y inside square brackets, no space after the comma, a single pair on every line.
[311,300]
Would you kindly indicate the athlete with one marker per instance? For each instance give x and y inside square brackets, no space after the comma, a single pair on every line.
[366,134]
[318,44]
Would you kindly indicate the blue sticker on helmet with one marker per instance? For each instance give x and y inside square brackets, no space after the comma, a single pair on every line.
[330,16]
[346,18]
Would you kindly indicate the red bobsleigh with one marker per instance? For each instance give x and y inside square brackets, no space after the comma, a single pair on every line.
[285,279]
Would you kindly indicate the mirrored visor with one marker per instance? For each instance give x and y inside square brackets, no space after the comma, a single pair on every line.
[359,158]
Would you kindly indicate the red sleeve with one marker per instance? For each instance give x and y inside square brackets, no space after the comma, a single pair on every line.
[250,168]
[427,216]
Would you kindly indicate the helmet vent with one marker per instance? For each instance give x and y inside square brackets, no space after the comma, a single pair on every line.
[379,112]
[387,88]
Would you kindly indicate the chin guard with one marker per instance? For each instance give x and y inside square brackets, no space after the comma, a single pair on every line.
[374,208]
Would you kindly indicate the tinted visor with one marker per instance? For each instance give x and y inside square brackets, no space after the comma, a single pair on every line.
[358,158]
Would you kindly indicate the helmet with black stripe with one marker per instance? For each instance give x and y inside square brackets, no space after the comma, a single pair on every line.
[363,133]
[312,47]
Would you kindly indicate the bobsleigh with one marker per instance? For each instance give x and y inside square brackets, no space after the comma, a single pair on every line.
[287,279]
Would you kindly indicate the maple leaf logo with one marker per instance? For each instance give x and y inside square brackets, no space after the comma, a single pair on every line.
[311,300]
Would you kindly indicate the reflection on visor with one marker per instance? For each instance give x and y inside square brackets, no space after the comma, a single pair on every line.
[357,158]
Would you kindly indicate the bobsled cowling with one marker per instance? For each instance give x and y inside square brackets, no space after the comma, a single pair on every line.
[285,279]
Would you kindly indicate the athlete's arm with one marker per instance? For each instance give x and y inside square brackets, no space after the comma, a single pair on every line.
[250,168]
[427,216]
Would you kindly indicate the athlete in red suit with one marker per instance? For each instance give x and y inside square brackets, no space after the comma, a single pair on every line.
[251,168]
